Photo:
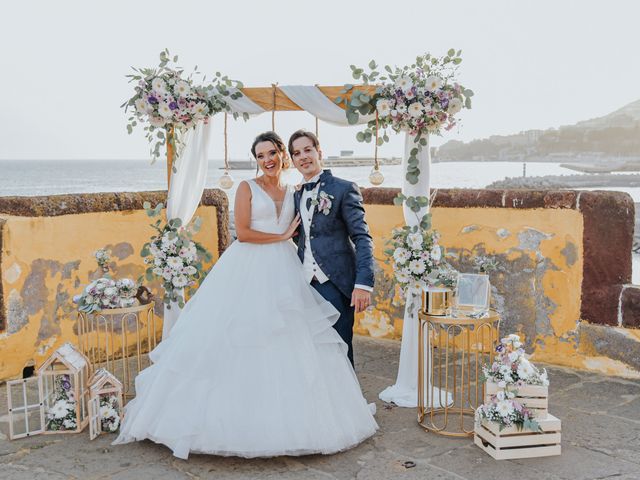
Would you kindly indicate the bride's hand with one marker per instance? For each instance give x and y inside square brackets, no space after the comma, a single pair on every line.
[293,228]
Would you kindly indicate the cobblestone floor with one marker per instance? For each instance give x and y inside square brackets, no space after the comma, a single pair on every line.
[600,439]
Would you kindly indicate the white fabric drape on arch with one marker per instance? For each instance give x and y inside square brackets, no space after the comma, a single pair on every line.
[185,192]
[404,392]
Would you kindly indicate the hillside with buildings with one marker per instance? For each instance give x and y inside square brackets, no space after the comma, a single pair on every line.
[614,135]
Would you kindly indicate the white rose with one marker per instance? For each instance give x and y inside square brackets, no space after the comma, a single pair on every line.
[384,107]
[433,83]
[455,105]
[158,85]
[164,110]
[110,291]
[415,110]
[182,88]
[404,83]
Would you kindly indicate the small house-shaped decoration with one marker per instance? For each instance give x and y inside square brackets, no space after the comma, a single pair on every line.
[55,400]
[105,403]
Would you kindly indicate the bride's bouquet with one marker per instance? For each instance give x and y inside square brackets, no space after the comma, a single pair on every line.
[173,256]
[165,97]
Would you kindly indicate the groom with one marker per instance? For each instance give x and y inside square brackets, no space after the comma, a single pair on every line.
[332,225]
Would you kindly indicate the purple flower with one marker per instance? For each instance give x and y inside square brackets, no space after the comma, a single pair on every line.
[173,105]
[152,100]
[444,102]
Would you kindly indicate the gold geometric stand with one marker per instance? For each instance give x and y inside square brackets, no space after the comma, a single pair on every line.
[451,352]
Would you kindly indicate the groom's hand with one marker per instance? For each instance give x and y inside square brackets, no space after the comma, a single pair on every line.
[360,299]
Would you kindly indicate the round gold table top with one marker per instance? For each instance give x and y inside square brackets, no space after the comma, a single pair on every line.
[461,318]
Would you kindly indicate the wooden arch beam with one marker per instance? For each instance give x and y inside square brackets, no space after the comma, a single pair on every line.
[263,96]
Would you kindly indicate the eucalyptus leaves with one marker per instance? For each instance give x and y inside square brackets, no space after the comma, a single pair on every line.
[167,100]
[421,99]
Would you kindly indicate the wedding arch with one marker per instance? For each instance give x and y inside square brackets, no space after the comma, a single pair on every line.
[417,100]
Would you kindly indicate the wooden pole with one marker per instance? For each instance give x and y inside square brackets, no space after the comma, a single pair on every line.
[170,154]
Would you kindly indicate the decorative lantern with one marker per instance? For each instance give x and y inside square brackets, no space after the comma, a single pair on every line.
[106,400]
[54,401]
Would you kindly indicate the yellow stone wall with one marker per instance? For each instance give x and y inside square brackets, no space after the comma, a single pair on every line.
[47,260]
[537,287]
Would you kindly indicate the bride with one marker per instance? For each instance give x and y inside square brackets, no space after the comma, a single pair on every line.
[253,367]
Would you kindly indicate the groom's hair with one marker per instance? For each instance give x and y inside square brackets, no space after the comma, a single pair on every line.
[274,138]
[303,133]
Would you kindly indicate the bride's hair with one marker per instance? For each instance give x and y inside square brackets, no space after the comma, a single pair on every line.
[274,138]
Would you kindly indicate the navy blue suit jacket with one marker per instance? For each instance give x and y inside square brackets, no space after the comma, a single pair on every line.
[340,241]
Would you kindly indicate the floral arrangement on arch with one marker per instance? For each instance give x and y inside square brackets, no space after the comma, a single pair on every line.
[422,98]
[62,414]
[418,259]
[105,292]
[511,368]
[507,412]
[164,98]
[173,256]
[109,413]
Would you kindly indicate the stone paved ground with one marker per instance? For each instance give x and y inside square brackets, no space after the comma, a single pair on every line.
[600,439]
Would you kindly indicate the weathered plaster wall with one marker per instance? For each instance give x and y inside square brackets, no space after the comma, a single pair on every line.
[563,280]
[564,267]
[46,260]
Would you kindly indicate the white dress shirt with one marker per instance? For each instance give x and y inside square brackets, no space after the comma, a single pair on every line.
[311,267]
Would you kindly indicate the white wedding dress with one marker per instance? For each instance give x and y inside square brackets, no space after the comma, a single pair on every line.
[253,367]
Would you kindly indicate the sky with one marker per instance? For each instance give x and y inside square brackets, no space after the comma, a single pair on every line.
[531,64]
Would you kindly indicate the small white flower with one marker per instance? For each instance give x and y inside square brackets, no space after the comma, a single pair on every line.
[401,108]
[141,106]
[417,267]
[158,85]
[191,270]
[402,276]
[436,253]
[500,395]
[69,424]
[404,83]
[455,105]
[157,121]
[200,109]
[164,110]
[110,291]
[59,410]
[414,240]
[401,255]
[384,107]
[433,83]
[504,408]
[180,281]
[174,262]
[182,88]
[416,109]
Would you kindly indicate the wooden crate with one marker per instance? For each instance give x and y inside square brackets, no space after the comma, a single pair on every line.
[512,443]
[534,397]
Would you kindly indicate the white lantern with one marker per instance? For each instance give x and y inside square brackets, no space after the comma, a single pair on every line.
[106,400]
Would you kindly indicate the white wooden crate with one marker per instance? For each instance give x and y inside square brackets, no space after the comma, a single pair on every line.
[534,397]
[512,443]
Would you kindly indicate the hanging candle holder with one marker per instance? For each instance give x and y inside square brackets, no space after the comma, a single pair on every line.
[376,177]
[226,180]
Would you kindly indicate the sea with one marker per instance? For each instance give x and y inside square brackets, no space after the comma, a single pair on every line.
[51,177]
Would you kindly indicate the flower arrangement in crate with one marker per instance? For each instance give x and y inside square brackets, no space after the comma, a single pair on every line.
[105,292]
[167,100]
[418,258]
[61,415]
[511,368]
[512,378]
[173,256]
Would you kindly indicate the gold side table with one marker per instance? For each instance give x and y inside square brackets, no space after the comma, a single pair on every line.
[117,338]
[452,350]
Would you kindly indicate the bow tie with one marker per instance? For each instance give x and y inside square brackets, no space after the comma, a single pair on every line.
[311,185]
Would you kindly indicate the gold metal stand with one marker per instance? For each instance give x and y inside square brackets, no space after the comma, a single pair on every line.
[452,351]
[116,339]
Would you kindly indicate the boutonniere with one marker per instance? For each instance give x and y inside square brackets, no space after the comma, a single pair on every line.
[323,201]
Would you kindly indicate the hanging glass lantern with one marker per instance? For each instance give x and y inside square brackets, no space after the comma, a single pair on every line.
[376,177]
[226,180]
